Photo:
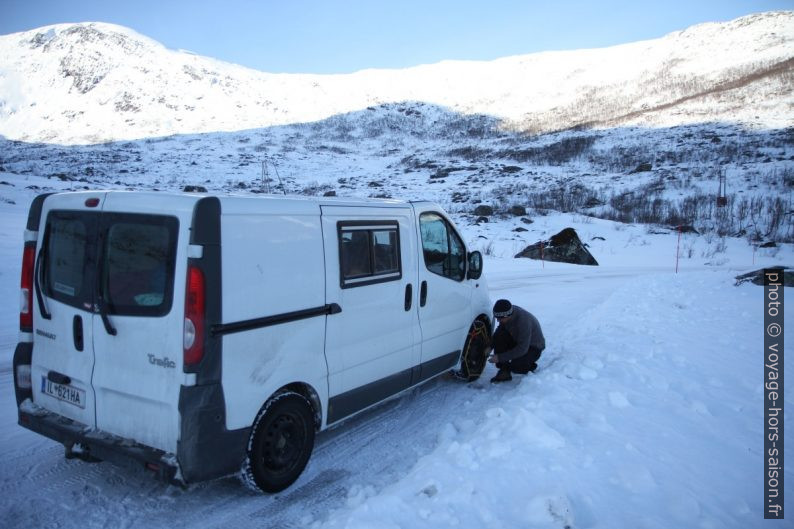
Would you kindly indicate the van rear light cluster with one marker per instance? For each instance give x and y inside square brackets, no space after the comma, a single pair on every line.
[195,301]
[26,292]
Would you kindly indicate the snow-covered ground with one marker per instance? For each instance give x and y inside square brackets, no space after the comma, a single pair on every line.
[646,411]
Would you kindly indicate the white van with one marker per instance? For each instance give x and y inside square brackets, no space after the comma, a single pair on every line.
[204,335]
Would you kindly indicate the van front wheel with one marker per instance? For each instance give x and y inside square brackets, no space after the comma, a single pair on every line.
[281,443]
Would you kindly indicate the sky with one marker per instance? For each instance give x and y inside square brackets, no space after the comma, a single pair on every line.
[316,36]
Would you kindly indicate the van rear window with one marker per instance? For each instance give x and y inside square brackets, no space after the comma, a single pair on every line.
[67,249]
[138,264]
[126,259]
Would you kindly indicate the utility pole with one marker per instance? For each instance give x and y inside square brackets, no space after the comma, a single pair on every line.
[265,178]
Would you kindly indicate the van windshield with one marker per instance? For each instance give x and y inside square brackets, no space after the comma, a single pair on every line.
[126,261]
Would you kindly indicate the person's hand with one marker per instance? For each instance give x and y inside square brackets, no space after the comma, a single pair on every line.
[493,359]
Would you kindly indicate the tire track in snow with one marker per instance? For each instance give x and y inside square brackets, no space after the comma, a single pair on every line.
[367,452]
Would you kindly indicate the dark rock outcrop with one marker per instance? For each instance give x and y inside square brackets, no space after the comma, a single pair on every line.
[564,247]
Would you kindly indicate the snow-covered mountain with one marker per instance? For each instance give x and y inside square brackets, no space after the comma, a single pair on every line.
[640,132]
[94,82]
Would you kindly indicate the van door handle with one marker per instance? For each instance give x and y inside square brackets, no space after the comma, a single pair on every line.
[58,378]
[409,296]
[77,332]
[423,294]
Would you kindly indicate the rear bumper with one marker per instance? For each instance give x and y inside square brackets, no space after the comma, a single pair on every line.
[206,449]
[97,444]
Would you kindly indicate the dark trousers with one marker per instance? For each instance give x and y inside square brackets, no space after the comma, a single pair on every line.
[502,341]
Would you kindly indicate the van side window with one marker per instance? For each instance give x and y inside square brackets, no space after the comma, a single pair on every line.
[443,249]
[368,253]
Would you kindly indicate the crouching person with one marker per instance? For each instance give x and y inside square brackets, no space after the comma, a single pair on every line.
[517,343]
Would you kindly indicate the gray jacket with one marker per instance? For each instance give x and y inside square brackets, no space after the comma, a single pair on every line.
[524,328]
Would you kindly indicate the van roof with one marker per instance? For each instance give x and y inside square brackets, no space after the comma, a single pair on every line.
[247,202]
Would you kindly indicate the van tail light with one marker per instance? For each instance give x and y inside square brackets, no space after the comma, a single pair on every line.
[26,292]
[195,297]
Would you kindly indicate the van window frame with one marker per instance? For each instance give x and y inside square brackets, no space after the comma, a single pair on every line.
[372,276]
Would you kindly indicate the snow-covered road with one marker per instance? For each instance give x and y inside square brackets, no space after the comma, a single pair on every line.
[40,488]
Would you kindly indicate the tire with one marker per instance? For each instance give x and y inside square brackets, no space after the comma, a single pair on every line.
[474,357]
[281,442]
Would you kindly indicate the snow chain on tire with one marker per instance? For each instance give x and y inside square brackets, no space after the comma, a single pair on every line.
[473,359]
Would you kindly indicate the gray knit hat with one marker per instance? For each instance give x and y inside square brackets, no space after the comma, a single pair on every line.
[502,308]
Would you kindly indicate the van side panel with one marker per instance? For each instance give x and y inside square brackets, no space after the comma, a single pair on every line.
[273,265]
[373,349]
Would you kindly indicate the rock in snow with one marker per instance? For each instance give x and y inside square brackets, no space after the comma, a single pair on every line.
[564,247]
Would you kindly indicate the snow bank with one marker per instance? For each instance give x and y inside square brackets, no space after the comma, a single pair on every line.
[646,412]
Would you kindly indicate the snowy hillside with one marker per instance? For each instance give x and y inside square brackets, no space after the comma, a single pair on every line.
[94,82]
[645,129]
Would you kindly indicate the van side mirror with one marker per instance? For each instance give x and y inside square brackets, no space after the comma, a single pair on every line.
[475,265]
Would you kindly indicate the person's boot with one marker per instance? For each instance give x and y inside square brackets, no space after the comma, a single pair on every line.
[502,376]
[532,367]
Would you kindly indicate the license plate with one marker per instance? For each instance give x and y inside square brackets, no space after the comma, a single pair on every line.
[62,392]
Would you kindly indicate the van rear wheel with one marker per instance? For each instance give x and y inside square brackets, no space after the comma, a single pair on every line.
[281,443]
[475,352]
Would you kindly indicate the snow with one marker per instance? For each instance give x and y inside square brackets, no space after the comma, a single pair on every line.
[645,412]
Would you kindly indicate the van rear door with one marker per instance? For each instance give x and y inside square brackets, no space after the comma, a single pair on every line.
[139,320]
[63,354]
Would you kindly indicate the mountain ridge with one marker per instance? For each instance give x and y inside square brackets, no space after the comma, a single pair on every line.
[94,82]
